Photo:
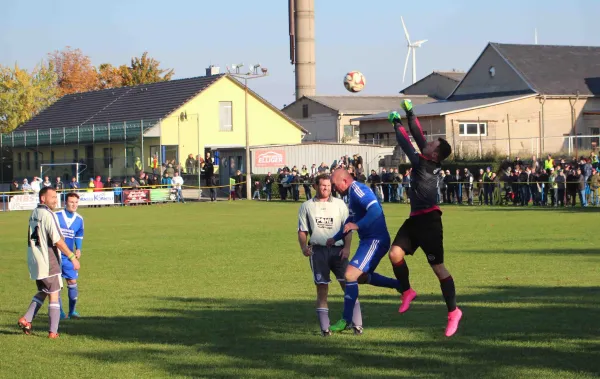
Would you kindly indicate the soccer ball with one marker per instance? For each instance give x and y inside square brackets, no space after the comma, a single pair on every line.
[354,81]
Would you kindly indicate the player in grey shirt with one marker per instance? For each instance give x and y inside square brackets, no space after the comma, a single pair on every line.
[320,218]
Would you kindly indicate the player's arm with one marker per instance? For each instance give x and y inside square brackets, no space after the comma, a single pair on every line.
[303,228]
[404,140]
[78,240]
[373,208]
[341,233]
[415,129]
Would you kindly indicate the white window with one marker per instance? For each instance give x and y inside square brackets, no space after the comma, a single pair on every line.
[225,119]
[472,129]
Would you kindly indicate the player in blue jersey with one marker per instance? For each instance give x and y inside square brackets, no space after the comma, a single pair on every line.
[367,218]
[71,227]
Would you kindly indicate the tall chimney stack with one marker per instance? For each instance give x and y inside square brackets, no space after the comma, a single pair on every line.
[302,24]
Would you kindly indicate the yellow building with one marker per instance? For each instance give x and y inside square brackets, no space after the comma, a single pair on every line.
[107,131]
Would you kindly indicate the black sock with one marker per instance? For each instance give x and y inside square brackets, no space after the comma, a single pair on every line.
[449,293]
[401,273]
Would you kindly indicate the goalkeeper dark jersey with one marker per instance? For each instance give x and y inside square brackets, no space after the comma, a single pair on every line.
[423,192]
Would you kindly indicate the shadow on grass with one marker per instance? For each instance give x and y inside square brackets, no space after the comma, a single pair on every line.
[547,251]
[529,328]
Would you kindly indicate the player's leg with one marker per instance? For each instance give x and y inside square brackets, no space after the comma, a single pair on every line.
[350,296]
[403,244]
[338,266]
[53,313]
[25,321]
[377,250]
[320,270]
[73,292]
[431,241]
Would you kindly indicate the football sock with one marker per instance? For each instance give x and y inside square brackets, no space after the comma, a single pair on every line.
[377,280]
[357,314]
[323,315]
[401,272]
[73,293]
[351,294]
[34,307]
[54,317]
[449,293]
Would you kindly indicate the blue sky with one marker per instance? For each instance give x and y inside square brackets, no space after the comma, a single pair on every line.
[350,35]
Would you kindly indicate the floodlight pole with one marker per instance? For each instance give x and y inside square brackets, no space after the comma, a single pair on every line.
[248,173]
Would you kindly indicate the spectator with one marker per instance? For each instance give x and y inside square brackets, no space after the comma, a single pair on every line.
[560,181]
[138,166]
[518,163]
[581,183]
[91,185]
[36,185]
[572,186]
[314,171]
[143,179]
[14,186]
[190,162]
[133,184]
[178,185]
[154,165]
[458,181]
[46,182]
[296,181]
[281,180]
[269,180]
[594,187]
[166,181]
[26,187]
[59,186]
[306,183]
[74,184]
[375,181]
[213,188]
[549,162]
[239,179]
[468,179]
[170,171]
[406,183]
[98,185]
[257,187]
[480,186]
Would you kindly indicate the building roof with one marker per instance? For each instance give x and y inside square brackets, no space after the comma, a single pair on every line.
[444,107]
[146,101]
[555,70]
[364,104]
[453,75]
[143,102]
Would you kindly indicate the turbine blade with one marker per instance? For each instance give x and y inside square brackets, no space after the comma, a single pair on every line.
[406,64]
[405,31]
[419,43]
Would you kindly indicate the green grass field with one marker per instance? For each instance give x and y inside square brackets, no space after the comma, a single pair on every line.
[222,290]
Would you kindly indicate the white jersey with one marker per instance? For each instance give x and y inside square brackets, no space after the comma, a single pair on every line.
[43,257]
[322,219]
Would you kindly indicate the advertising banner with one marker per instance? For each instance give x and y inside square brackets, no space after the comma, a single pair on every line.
[269,158]
[163,194]
[137,196]
[97,198]
[26,202]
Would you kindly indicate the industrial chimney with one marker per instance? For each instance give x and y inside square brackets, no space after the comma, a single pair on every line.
[302,45]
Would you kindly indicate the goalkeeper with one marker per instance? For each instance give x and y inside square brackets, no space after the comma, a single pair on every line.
[424,226]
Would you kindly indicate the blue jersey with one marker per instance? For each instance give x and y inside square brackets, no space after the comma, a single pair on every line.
[71,227]
[361,199]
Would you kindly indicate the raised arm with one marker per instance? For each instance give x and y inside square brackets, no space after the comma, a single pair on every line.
[403,139]
[415,129]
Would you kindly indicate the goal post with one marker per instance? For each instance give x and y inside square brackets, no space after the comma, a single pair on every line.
[79,168]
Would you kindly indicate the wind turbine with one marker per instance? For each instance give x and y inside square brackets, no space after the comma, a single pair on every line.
[412,46]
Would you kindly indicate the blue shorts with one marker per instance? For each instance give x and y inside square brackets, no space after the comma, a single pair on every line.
[68,272]
[369,253]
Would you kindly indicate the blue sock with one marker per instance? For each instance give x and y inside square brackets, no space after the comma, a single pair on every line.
[377,280]
[60,304]
[351,294]
[73,293]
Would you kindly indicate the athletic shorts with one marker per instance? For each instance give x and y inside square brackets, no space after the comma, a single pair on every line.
[424,231]
[49,285]
[325,260]
[369,254]
[68,272]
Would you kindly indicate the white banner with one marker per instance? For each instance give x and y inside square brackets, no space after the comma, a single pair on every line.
[26,202]
[97,198]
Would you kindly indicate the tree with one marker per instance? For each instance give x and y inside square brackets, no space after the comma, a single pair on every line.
[23,94]
[145,70]
[74,71]
[110,76]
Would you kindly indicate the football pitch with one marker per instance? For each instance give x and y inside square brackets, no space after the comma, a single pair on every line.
[222,290]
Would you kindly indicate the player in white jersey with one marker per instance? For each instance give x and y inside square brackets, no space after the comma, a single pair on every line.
[44,240]
[71,227]
[320,218]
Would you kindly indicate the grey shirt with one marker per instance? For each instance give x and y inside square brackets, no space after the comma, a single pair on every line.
[322,219]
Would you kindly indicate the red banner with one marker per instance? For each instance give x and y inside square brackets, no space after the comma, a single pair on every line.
[136,196]
[269,158]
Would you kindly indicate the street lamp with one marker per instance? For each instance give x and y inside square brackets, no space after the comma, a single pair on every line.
[252,74]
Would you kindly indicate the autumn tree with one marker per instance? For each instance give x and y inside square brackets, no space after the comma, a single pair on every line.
[145,70]
[24,94]
[110,76]
[74,71]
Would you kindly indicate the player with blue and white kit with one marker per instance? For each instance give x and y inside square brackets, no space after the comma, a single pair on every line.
[368,220]
[71,227]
